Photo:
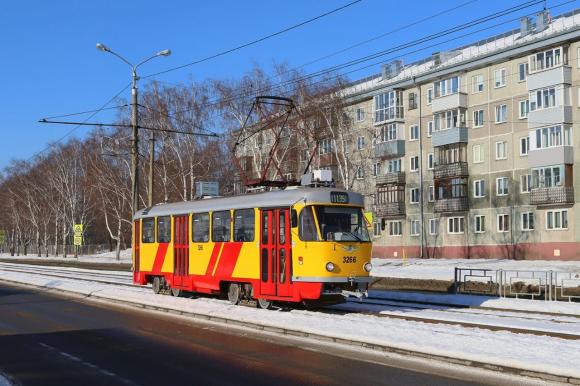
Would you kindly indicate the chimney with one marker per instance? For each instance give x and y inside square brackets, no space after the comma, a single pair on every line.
[436,58]
[543,20]
[525,26]
[386,71]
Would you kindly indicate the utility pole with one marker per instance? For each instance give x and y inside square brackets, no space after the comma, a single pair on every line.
[151,161]
[135,127]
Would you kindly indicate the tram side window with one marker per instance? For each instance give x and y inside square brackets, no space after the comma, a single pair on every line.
[244,225]
[220,230]
[307,229]
[148,230]
[164,229]
[200,228]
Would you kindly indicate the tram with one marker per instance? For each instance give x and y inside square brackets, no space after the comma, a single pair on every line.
[308,245]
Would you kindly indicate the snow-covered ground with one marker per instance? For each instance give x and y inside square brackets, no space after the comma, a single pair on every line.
[443,269]
[105,257]
[521,350]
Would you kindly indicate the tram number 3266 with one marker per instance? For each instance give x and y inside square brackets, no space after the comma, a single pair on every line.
[348,259]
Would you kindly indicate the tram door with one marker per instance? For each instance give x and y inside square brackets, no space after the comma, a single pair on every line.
[275,252]
[136,246]
[180,249]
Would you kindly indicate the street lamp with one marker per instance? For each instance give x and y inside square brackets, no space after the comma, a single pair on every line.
[135,125]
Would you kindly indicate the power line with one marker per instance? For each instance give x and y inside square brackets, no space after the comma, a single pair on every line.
[255,41]
[86,112]
[86,120]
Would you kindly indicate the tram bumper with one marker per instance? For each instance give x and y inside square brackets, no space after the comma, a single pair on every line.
[350,287]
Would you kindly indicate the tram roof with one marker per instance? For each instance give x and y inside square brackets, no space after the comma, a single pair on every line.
[276,198]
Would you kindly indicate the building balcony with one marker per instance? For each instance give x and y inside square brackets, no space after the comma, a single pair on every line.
[555,195]
[390,209]
[396,178]
[449,136]
[395,114]
[550,116]
[456,169]
[449,102]
[390,149]
[550,77]
[451,205]
[559,155]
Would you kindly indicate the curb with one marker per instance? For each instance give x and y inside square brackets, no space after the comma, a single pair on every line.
[314,336]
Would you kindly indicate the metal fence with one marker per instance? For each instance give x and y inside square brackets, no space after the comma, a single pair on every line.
[546,285]
[32,250]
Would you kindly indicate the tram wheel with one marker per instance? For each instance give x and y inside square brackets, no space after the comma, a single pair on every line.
[234,293]
[176,292]
[264,304]
[156,284]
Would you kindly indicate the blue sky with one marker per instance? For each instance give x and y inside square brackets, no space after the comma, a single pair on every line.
[49,64]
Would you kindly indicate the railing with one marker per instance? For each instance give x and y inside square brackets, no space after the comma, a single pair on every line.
[456,204]
[390,209]
[391,178]
[455,169]
[552,195]
[390,149]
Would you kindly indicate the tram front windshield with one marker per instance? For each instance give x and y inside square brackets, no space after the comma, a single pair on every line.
[341,223]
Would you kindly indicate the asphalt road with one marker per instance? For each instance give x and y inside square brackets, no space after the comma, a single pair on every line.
[51,340]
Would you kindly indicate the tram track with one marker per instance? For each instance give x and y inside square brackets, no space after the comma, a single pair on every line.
[374,306]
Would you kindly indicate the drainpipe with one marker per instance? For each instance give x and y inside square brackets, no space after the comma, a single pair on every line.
[421,198]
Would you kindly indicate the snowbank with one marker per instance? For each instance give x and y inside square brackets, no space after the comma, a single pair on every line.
[105,257]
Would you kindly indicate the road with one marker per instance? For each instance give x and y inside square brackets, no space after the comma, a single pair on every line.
[47,339]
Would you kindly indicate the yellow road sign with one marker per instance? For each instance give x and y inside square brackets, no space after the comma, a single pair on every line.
[78,229]
[78,240]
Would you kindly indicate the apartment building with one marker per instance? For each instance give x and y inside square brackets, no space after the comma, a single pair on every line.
[473,148]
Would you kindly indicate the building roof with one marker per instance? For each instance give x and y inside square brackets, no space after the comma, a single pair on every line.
[278,198]
[499,43]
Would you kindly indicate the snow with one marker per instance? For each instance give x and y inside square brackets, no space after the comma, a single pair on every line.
[443,269]
[105,257]
[520,350]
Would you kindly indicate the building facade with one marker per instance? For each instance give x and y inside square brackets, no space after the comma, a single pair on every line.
[473,149]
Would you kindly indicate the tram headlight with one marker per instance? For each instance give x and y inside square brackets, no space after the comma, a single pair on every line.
[368,267]
[330,267]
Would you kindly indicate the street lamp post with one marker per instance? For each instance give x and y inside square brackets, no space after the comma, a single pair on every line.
[135,127]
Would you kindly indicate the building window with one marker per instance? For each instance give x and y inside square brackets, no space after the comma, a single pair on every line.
[479,224]
[522,71]
[503,222]
[388,105]
[547,59]
[414,163]
[478,154]
[376,169]
[446,87]
[394,166]
[430,162]
[525,183]
[412,101]
[414,132]
[415,227]
[377,228]
[500,113]
[395,228]
[449,119]
[429,128]
[528,221]
[499,76]
[414,193]
[433,226]
[476,83]
[557,219]
[501,185]
[360,114]
[547,177]
[524,108]
[552,136]
[501,150]
[543,99]
[524,146]
[430,95]
[325,146]
[387,132]
[360,173]
[360,143]
[478,118]
[431,197]
[455,225]
[479,188]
